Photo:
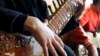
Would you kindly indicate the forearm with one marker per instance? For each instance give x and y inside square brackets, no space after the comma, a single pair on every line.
[80,37]
[11,21]
[92,51]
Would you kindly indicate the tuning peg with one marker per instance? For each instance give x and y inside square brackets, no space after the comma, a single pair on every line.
[49,7]
[58,3]
[61,1]
[65,0]
[55,5]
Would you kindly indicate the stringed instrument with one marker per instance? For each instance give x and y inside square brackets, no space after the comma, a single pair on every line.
[13,45]
[62,15]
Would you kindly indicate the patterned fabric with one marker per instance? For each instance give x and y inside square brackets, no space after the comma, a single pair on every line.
[90,20]
[10,42]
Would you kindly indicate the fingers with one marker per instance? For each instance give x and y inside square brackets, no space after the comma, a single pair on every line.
[52,49]
[59,48]
[59,40]
[45,50]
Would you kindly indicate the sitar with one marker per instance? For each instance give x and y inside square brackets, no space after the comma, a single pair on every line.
[13,45]
[61,17]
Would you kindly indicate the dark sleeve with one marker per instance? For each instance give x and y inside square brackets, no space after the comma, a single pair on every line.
[11,21]
[44,11]
[70,26]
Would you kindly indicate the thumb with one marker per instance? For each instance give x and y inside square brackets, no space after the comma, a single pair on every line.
[46,21]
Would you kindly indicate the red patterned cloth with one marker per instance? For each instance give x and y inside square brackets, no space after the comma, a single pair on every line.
[79,37]
[90,20]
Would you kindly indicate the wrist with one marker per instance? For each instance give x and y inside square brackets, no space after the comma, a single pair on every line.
[30,23]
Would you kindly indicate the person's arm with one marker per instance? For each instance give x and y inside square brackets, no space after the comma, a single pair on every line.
[80,37]
[81,14]
[87,5]
[83,39]
[47,38]
[92,51]
[11,21]
[83,18]
[44,11]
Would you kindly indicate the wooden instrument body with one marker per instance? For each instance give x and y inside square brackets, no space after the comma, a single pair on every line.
[12,45]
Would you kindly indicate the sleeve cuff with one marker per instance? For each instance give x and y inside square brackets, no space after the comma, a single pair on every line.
[18,22]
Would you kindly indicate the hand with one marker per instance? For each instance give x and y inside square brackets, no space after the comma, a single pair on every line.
[82,8]
[46,38]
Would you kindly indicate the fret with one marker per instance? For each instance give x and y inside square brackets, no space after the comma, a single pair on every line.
[51,26]
[62,20]
[68,8]
[55,26]
[61,17]
[65,13]
[58,21]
